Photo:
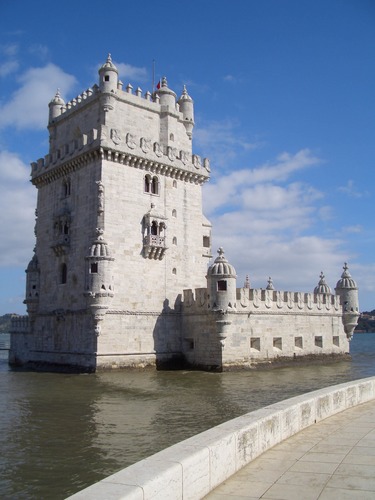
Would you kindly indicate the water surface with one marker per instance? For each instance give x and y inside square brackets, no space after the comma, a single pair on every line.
[61,432]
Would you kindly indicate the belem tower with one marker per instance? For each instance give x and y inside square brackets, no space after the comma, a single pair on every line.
[121,273]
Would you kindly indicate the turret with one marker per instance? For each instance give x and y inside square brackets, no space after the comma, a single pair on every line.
[108,76]
[187,109]
[167,96]
[347,290]
[32,286]
[221,283]
[55,106]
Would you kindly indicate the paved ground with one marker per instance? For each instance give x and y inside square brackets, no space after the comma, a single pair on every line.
[331,460]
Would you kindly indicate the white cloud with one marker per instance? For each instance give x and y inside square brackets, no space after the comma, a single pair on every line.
[8,67]
[260,182]
[27,107]
[9,49]
[222,141]
[131,73]
[17,207]
[351,190]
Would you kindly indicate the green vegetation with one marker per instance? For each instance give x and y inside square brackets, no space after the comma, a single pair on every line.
[366,322]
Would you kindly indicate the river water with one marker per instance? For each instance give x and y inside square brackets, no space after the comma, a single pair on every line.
[61,432]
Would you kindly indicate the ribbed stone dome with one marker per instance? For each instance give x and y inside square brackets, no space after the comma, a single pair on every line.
[346,280]
[108,65]
[99,248]
[322,286]
[221,266]
[57,100]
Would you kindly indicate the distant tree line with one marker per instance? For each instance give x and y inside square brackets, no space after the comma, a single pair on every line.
[366,322]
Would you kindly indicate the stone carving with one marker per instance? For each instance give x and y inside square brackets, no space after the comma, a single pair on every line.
[157,149]
[197,161]
[116,136]
[172,153]
[130,141]
[100,197]
[145,145]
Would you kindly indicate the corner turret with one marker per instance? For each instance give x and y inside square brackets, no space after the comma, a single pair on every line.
[108,76]
[221,284]
[55,106]
[166,95]
[347,290]
[32,287]
[187,109]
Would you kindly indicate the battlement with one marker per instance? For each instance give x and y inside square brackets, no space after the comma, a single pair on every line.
[135,151]
[269,301]
[19,324]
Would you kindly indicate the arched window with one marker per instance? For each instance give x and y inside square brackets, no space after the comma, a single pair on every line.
[147,183]
[63,273]
[174,213]
[155,185]
[174,241]
[174,183]
[151,184]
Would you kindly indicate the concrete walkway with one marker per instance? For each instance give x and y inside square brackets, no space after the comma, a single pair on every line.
[331,460]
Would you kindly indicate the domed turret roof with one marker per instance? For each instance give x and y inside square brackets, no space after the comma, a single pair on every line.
[322,286]
[57,100]
[346,280]
[185,96]
[108,65]
[99,248]
[221,266]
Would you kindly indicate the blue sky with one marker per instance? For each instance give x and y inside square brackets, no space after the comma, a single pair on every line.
[284,109]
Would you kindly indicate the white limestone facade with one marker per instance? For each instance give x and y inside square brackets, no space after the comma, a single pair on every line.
[120,275]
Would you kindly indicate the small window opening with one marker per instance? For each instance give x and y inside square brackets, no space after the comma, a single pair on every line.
[174,213]
[174,271]
[94,267]
[206,241]
[106,78]
[174,183]
[154,228]
[255,343]
[319,341]
[298,342]
[222,285]
[336,340]
[174,241]
[171,137]
[278,343]
[63,274]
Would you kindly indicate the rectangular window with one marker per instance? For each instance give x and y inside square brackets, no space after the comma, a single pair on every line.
[298,342]
[255,344]
[278,343]
[336,340]
[206,241]
[222,285]
[94,268]
[319,341]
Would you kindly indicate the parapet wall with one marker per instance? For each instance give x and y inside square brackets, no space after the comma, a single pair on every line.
[253,300]
[194,467]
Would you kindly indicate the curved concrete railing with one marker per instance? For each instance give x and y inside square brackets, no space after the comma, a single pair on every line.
[192,468]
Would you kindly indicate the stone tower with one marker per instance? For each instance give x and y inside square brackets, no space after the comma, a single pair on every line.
[119,232]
